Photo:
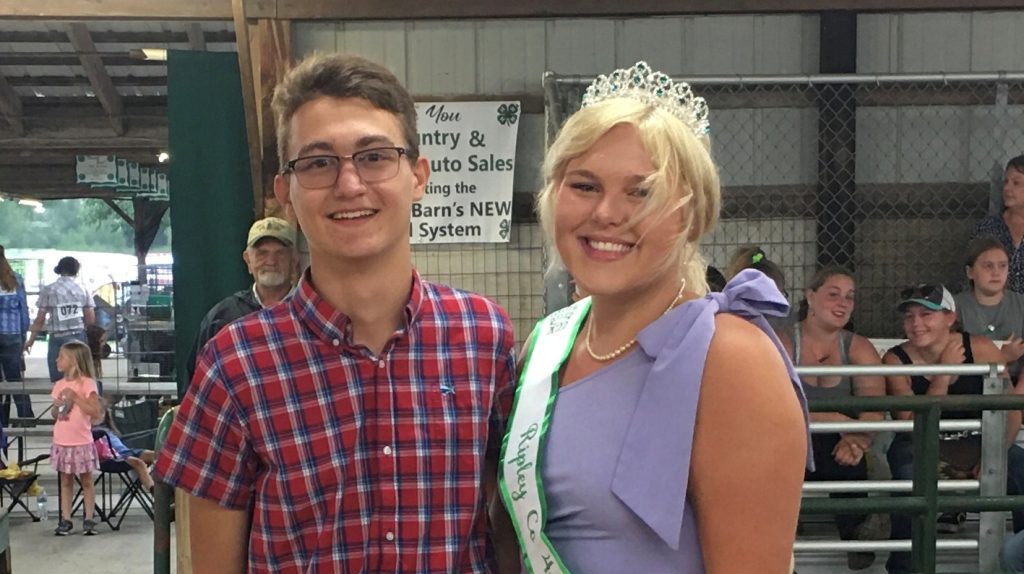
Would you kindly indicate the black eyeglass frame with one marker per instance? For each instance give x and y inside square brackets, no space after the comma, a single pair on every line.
[289,166]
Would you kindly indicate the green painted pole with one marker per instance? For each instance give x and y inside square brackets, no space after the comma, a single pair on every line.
[926,476]
[163,495]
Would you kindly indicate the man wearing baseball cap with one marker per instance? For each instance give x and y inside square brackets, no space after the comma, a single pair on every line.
[271,258]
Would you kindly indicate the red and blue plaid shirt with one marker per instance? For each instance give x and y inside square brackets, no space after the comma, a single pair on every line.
[352,462]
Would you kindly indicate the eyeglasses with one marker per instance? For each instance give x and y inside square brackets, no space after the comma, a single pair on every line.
[372,165]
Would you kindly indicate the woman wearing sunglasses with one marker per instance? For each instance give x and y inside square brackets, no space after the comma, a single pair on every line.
[929,316]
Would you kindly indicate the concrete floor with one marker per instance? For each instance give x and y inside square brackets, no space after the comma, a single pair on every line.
[35,549]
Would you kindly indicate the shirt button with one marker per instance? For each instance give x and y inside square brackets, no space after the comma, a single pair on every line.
[387,451]
[390,536]
[381,364]
[336,342]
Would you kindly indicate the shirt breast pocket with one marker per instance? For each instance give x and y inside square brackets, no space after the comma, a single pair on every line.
[456,412]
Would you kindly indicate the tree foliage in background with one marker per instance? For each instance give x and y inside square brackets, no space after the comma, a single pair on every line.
[74,225]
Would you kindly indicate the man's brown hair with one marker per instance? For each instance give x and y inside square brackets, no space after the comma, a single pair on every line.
[342,76]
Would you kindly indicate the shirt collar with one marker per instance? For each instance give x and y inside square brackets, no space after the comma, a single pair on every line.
[259,300]
[328,324]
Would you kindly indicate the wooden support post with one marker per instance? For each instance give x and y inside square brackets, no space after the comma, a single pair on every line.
[272,51]
[10,107]
[252,128]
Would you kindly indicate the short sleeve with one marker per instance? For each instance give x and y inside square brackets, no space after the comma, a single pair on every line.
[43,302]
[504,394]
[207,452]
[87,302]
[57,388]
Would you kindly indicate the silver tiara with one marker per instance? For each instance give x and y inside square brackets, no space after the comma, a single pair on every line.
[655,88]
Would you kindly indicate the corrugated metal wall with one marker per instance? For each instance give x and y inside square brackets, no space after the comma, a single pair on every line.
[507,58]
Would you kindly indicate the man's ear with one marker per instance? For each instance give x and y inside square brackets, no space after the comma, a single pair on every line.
[421,172]
[281,191]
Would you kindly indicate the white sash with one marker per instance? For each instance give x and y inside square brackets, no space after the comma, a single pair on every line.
[519,477]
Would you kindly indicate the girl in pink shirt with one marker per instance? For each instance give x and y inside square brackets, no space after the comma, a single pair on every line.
[76,403]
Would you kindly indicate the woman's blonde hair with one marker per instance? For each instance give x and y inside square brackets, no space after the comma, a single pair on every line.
[81,360]
[685,179]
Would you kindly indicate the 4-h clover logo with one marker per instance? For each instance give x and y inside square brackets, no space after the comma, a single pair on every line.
[504,228]
[508,114]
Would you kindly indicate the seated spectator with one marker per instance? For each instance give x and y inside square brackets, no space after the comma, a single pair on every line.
[929,316]
[820,338]
[1008,227]
[753,257]
[987,308]
[137,458]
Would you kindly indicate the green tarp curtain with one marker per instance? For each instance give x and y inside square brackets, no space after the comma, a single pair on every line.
[211,195]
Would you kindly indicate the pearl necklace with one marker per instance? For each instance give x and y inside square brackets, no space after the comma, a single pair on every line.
[622,349]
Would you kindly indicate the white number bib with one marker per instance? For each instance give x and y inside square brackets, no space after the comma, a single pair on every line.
[68,312]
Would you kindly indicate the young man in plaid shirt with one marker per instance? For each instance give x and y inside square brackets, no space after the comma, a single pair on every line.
[355,427]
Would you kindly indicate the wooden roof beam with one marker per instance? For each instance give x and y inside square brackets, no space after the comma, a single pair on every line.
[445,9]
[66,81]
[10,107]
[147,37]
[128,9]
[100,80]
[437,9]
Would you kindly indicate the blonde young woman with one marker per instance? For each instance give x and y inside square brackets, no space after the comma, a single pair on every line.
[656,429]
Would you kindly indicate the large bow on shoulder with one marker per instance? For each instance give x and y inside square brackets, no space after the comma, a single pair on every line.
[653,468]
[751,294]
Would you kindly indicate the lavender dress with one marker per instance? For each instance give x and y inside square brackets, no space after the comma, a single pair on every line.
[617,457]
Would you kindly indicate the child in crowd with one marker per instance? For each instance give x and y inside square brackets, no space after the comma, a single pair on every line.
[139,459]
[76,404]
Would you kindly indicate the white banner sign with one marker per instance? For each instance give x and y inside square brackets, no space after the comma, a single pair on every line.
[101,169]
[471,147]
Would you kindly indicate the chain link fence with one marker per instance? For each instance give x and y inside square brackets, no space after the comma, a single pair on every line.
[510,273]
[885,175]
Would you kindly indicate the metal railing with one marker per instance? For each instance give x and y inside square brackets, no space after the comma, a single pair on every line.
[925,502]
